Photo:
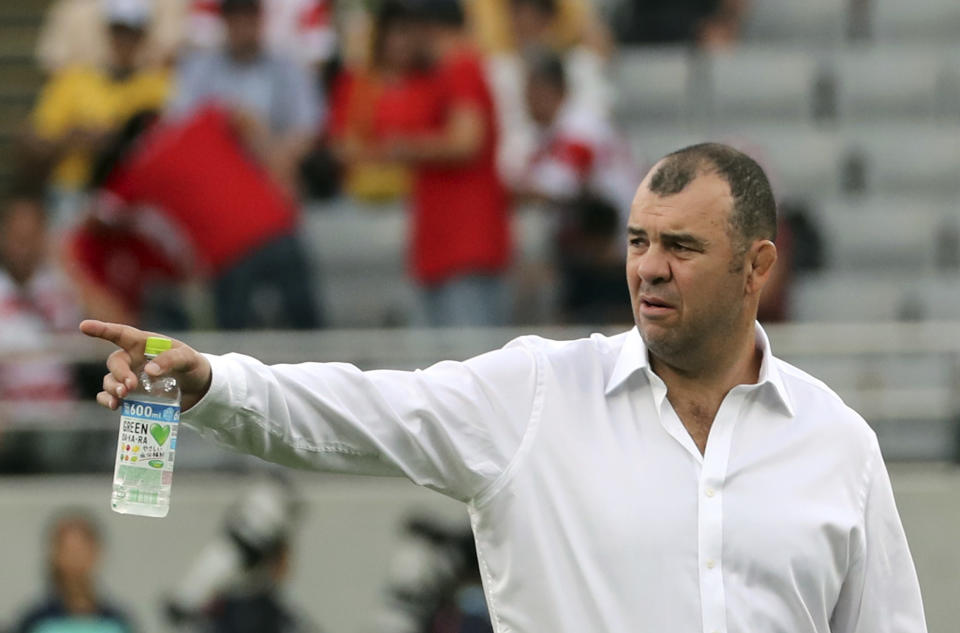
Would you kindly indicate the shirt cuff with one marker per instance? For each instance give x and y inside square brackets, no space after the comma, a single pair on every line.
[222,399]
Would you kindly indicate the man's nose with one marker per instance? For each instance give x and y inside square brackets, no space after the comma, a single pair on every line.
[653,266]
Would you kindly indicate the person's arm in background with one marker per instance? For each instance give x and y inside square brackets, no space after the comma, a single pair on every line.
[72,33]
[69,116]
[302,113]
[454,427]
[558,175]
[463,132]
[459,140]
[881,593]
[579,22]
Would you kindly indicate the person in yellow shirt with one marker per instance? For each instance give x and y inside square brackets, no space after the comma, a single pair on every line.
[81,106]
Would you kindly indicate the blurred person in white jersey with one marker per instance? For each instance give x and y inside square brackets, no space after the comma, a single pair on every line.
[676,477]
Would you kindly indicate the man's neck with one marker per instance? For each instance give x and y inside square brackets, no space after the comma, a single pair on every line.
[732,361]
[697,389]
[78,597]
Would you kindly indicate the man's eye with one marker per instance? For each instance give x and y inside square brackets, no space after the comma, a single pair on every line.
[681,248]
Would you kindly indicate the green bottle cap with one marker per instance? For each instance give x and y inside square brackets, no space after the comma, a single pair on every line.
[156,345]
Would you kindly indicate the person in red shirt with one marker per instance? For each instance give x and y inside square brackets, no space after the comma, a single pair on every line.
[461,240]
[393,95]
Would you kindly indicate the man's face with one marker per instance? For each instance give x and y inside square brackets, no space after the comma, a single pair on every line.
[530,24]
[125,42]
[22,240]
[686,283]
[243,31]
[400,47]
[543,100]
[75,553]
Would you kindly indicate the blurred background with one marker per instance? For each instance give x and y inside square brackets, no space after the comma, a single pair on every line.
[392,183]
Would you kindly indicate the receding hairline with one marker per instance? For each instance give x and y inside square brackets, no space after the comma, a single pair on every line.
[753,211]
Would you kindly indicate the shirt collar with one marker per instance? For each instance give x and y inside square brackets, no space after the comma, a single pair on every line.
[633,357]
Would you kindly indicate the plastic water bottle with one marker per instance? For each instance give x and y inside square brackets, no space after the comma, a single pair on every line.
[149,419]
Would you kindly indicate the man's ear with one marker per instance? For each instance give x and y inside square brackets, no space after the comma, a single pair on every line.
[760,262]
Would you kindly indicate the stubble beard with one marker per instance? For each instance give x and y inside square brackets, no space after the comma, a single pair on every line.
[687,346]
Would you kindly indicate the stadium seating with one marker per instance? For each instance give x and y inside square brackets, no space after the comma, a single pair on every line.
[907,157]
[653,84]
[811,21]
[883,233]
[918,20]
[763,83]
[880,82]
[875,296]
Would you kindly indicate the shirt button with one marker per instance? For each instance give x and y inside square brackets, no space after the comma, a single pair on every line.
[711,564]
[709,492]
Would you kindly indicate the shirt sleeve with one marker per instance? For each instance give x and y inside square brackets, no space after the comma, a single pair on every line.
[465,83]
[881,593]
[453,427]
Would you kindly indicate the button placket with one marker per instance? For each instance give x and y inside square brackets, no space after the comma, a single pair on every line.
[710,513]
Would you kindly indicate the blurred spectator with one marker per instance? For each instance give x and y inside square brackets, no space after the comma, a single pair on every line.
[707,23]
[461,228]
[73,602]
[577,150]
[273,100]
[302,30]
[236,582]
[533,25]
[583,171]
[434,581]
[77,32]
[81,106]
[35,301]
[590,262]
[391,94]
[189,191]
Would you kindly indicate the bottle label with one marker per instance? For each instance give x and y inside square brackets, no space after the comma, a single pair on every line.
[148,439]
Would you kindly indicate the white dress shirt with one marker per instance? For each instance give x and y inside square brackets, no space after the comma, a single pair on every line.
[593,510]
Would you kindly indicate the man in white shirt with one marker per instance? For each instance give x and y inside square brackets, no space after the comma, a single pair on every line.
[677,477]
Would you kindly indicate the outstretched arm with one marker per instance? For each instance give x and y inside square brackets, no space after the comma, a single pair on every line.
[454,427]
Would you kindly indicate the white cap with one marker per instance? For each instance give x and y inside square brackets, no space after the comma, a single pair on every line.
[133,13]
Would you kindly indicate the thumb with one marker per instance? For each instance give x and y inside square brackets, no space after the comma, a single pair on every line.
[183,360]
[191,368]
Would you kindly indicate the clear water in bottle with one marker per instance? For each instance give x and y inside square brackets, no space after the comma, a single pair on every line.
[149,420]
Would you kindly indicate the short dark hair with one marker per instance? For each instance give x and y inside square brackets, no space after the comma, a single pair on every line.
[547,66]
[390,14]
[548,7]
[754,213]
[448,13]
[236,6]
[74,518]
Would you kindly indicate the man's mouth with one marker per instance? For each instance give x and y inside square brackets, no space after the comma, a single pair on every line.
[654,306]
[654,302]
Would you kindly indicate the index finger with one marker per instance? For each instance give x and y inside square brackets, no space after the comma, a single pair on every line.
[126,337]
